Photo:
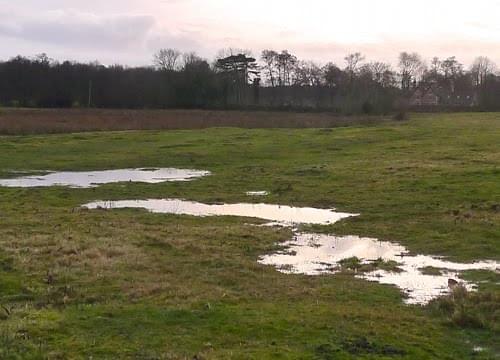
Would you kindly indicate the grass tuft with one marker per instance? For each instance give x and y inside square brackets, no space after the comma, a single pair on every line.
[470,310]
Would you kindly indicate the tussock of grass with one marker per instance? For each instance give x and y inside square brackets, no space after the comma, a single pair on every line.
[429,270]
[355,264]
[470,310]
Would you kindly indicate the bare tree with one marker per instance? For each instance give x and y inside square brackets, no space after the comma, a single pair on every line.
[435,65]
[308,73]
[410,66]
[353,62]
[378,71]
[166,59]
[270,59]
[481,68]
[286,62]
[190,58]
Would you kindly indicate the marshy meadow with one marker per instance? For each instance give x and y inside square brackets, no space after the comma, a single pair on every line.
[377,239]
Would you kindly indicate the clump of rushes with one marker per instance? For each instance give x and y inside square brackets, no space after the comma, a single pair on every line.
[469,310]
[387,265]
[353,264]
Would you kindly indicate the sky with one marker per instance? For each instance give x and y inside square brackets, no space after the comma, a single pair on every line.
[130,31]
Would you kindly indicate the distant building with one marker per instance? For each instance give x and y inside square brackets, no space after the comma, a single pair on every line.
[426,95]
[460,98]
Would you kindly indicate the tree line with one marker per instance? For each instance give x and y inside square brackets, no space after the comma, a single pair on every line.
[236,79]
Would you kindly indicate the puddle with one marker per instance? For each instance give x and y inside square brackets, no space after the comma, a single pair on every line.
[94,178]
[257,193]
[316,254]
[283,215]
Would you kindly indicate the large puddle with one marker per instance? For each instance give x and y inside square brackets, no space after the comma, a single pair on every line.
[282,215]
[95,178]
[316,254]
[420,277]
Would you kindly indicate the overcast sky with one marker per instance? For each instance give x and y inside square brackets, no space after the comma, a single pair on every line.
[129,31]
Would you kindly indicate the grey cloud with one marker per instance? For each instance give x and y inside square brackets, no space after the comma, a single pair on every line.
[76,29]
[129,39]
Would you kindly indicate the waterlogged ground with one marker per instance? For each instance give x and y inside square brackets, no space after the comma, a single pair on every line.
[314,254]
[133,284]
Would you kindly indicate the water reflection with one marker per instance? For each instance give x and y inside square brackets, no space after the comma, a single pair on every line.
[257,193]
[284,215]
[316,254]
[94,178]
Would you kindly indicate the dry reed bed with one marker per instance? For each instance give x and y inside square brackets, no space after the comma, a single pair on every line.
[47,121]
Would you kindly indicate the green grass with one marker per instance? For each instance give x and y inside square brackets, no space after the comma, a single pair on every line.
[355,264]
[129,284]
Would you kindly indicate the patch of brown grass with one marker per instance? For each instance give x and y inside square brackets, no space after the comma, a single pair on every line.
[46,121]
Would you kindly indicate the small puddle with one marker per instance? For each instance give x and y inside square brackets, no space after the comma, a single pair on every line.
[283,215]
[90,179]
[257,193]
[316,254]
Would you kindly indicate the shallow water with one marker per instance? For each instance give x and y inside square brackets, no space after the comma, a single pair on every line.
[283,215]
[316,254]
[257,193]
[94,178]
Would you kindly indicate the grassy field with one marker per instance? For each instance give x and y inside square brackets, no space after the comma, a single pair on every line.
[129,284]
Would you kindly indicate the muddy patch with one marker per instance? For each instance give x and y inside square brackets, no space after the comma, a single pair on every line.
[283,215]
[90,179]
[315,254]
